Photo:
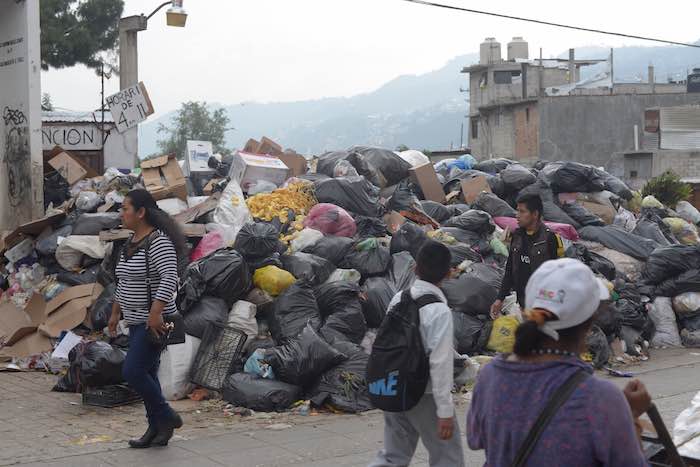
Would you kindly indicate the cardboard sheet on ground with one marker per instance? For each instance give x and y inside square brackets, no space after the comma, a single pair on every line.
[69,309]
[31,344]
[15,324]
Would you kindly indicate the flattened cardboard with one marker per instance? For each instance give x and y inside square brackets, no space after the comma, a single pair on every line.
[33,228]
[115,234]
[163,178]
[16,323]
[472,188]
[191,214]
[69,309]
[425,176]
[68,167]
[267,146]
[296,163]
[29,345]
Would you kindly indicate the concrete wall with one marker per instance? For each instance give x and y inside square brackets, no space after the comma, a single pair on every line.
[526,120]
[591,128]
[683,162]
[21,175]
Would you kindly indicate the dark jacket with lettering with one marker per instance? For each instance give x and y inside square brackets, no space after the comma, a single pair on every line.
[527,253]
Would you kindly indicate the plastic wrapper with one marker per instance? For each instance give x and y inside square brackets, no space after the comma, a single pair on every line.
[223,274]
[207,245]
[344,387]
[306,266]
[272,280]
[333,249]
[92,364]
[471,334]
[355,194]
[475,221]
[661,312]
[93,224]
[256,365]
[493,205]
[668,262]
[686,303]
[688,212]
[409,238]
[293,309]
[470,295]
[516,177]
[581,215]
[305,239]
[88,201]
[206,310]
[69,253]
[617,239]
[101,310]
[174,370]
[502,338]
[436,211]
[259,394]
[331,220]
[371,262]
[370,227]
[598,347]
[303,359]
[257,240]
[685,232]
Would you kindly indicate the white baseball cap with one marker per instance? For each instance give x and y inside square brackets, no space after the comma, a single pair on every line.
[568,289]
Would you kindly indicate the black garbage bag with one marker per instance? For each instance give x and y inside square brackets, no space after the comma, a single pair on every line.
[493,166]
[409,237]
[475,221]
[93,224]
[368,227]
[461,252]
[354,194]
[275,259]
[437,211]
[293,309]
[581,215]
[206,310]
[333,249]
[347,325]
[631,313]
[92,364]
[487,273]
[223,274]
[307,266]
[516,177]
[572,177]
[598,346]
[378,294]
[403,199]
[46,246]
[336,296]
[471,334]
[257,240]
[668,262]
[382,167]
[470,295]
[608,320]
[615,185]
[327,162]
[596,262]
[259,394]
[552,211]
[56,190]
[475,241]
[369,263]
[101,310]
[86,276]
[457,209]
[618,239]
[303,359]
[653,227]
[690,321]
[344,387]
[688,281]
[492,204]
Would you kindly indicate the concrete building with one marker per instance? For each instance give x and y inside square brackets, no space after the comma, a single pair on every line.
[528,109]
[84,136]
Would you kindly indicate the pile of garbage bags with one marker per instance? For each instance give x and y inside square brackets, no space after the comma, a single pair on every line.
[305,269]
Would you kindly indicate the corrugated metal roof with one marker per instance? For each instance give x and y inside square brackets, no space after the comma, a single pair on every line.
[74,117]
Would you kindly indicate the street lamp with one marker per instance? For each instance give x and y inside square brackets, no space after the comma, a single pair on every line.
[129,27]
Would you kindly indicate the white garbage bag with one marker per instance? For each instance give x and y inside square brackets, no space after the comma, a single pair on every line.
[71,249]
[661,313]
[174,371]
[688,212]
[172,206]
[232,210]
[415,158]
[686,303]
[686,430]
[242,317]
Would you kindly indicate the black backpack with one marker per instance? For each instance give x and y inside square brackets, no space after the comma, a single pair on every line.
[398,369]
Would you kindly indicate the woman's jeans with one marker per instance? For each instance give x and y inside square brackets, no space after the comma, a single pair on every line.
[140,370]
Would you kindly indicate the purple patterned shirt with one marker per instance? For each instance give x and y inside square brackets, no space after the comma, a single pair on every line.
[593,428]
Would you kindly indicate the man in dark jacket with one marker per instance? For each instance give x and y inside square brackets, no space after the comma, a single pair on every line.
[531,245]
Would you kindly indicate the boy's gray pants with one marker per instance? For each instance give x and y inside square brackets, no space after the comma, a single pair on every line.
[401,433]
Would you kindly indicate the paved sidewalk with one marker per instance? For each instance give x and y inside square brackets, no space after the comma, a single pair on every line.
[39,427]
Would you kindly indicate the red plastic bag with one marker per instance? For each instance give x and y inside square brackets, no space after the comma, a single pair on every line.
[564,230]
[209,244]
[331,220]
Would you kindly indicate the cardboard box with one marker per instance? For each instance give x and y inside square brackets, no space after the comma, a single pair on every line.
[269,147]
[252,146]
[164,178]
[69,309]
[248,169]
[472,188]
[296,163]
[68,167]
[15,323]
[197,158]
[426,178]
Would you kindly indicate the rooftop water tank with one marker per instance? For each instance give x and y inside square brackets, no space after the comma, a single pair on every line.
[490,51]
[517,49]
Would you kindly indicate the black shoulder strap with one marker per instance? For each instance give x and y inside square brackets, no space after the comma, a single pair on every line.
[426,300]
[146,246]
[560,396]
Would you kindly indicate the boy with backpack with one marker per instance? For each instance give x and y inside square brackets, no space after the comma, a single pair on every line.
[409,372]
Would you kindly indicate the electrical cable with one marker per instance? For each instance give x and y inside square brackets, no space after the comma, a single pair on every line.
[548,23]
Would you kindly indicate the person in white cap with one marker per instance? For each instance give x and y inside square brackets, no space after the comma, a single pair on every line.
[541,406]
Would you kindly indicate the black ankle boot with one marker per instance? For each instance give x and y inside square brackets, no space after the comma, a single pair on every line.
[166,429]
[163,436]
[146,440]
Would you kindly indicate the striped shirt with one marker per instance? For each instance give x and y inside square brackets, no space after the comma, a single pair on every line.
[132,292]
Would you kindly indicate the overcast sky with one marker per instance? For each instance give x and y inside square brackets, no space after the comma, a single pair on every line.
[234,51]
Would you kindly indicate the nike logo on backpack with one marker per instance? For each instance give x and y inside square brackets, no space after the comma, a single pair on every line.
[384,386]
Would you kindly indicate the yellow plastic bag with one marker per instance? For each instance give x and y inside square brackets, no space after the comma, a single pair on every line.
[272,279]
[502,337]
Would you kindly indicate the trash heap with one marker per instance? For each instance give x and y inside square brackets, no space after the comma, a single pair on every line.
[299,265]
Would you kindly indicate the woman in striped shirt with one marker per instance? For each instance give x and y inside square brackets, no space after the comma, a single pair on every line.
[157,235]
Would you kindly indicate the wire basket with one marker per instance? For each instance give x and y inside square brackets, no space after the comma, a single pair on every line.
[221,347]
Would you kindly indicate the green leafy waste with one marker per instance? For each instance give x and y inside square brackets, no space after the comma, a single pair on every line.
[667,188]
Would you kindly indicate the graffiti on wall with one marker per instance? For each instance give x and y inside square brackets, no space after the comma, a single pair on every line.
[16,156]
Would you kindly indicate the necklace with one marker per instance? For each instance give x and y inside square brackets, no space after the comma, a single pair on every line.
[563,353]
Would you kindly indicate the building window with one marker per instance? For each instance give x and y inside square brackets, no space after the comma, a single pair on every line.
[506,77]
[527,114]
[474,132]
[484,80]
